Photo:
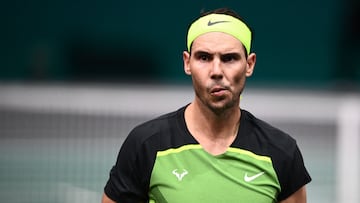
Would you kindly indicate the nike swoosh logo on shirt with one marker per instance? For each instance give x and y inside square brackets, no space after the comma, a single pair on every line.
[216,22]
[251,178]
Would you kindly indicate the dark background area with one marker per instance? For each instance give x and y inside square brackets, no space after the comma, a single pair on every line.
[308,43]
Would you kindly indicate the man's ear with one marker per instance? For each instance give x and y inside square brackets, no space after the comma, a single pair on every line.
[251,60]
[186,60]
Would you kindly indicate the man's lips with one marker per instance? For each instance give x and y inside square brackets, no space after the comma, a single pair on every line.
[218,91]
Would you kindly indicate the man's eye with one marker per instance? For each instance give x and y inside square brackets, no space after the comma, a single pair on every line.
[204,57]
[228,58]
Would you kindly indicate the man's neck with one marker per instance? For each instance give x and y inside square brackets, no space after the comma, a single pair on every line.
[213,131]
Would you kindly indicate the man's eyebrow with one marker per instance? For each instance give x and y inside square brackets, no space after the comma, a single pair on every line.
[202,53]
[233,54]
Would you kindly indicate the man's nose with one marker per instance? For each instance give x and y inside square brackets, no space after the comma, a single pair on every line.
[216,69]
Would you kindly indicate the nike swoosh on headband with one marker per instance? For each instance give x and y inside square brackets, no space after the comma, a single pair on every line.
[216,22]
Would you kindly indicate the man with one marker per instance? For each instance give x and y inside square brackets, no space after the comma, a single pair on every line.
[210,150]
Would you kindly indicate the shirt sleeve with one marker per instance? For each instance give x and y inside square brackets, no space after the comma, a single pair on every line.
[294,175]
[126,180]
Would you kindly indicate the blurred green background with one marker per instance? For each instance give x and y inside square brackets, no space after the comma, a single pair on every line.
[306,43]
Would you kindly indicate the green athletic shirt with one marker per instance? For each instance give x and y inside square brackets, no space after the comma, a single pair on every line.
[160,161]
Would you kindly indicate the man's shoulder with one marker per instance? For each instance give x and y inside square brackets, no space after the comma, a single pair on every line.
[256,122]
[272,136]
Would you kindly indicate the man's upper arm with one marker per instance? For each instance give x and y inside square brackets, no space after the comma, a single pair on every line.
[297,197]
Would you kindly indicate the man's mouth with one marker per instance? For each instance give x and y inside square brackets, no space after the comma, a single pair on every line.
[218,91]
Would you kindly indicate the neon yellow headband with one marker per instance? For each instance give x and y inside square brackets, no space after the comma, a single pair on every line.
[220,23]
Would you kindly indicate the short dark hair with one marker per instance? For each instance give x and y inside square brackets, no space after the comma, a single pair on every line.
[226,11]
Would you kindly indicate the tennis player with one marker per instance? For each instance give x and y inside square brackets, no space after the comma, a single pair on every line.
[210,150]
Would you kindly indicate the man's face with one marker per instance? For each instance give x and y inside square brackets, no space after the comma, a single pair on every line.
[218,68]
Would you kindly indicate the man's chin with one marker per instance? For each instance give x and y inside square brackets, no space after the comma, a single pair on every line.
[220,107]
